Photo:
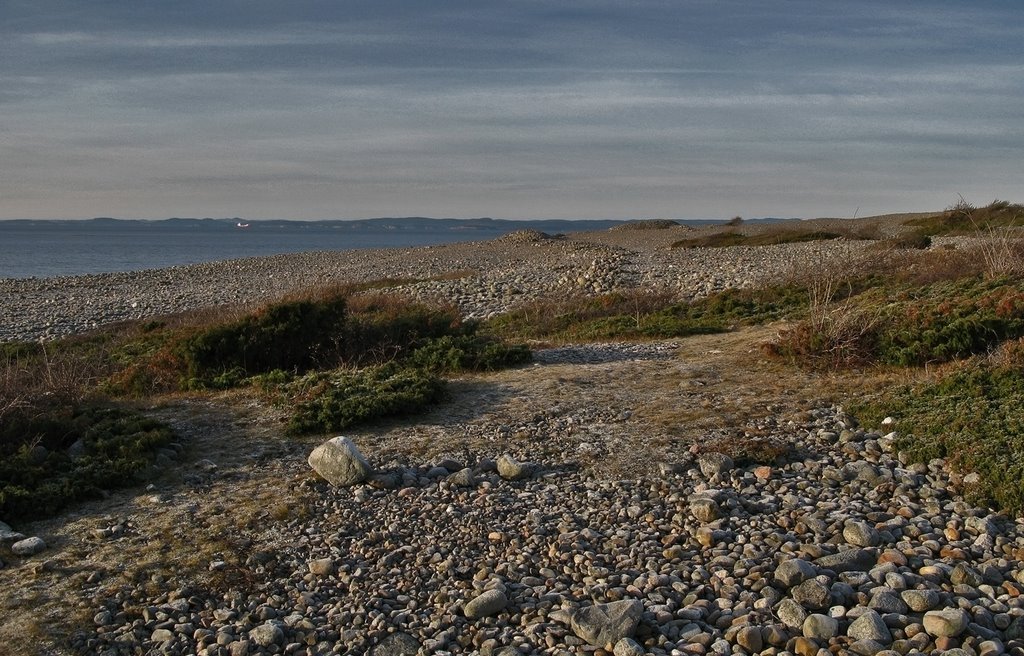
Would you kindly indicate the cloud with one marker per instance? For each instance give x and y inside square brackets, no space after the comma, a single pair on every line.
[578,108]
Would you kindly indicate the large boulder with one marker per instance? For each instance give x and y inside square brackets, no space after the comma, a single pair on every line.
[603,625]
[339,461]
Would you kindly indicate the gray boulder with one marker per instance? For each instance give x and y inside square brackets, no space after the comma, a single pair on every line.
[462,478]
[870,626]
[511,469]
[860,534]
[920,601]
[8,535]
[791,613]
[486,604]
[267,634]
[851,560]
[628,647]
[820,627]
[604,625]
[794,572]
[28,546]
[704,508]
[397,644]
[339,461]
[714,464]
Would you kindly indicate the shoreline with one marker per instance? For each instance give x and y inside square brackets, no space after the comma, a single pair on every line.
[499,274]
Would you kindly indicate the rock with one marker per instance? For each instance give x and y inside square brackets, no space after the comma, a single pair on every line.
[339,461]
[28,546]
[628,647]
[267,634]
[511,469]
[704,509]
[9,536]
[486,604]
[397,644]
[920,601]
[820,627]
[462,478]
[749,637]
[991,648]
[239,648]
[791,613]
[946,623]
[714,464]
[794,572]
[602,625]
[162,635]
[322,566]
[851,560]
[812,594]
[77,450]
[885,600]
[802,646]
[964,575]
[869,626]
[384,480]
[860,534]
[868,648]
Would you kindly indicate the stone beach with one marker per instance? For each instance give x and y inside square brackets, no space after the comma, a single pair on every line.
[487,277]
[545,511]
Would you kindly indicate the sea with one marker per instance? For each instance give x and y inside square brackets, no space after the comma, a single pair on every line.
[43,249]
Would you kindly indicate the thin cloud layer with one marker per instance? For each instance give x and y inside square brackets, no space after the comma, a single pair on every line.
[582,109]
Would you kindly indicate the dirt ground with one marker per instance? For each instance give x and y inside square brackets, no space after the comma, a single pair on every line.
[239,480]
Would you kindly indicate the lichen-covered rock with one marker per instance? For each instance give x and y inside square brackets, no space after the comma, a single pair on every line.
[603,625]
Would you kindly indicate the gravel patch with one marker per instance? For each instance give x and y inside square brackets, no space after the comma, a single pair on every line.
[518,566]
[481,279]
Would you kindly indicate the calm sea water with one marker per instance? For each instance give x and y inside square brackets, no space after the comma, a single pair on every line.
[57,248]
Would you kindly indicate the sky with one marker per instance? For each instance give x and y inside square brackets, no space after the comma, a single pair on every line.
[517,109]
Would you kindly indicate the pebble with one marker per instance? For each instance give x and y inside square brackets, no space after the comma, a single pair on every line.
[573,553]
[498,274]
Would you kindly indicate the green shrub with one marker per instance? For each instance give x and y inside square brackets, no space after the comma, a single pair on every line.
[907,242]
[381,328]
[963,218]
[295,335]
[769,237]
[38,476]
[453,353]
[971,417]
[935,323]
[325,403]
[645,315]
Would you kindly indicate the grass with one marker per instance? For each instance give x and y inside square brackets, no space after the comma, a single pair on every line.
[963,218]
[644,314]
[51,459]
[908,325]
[334,357]
[771,237]
[971,416]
